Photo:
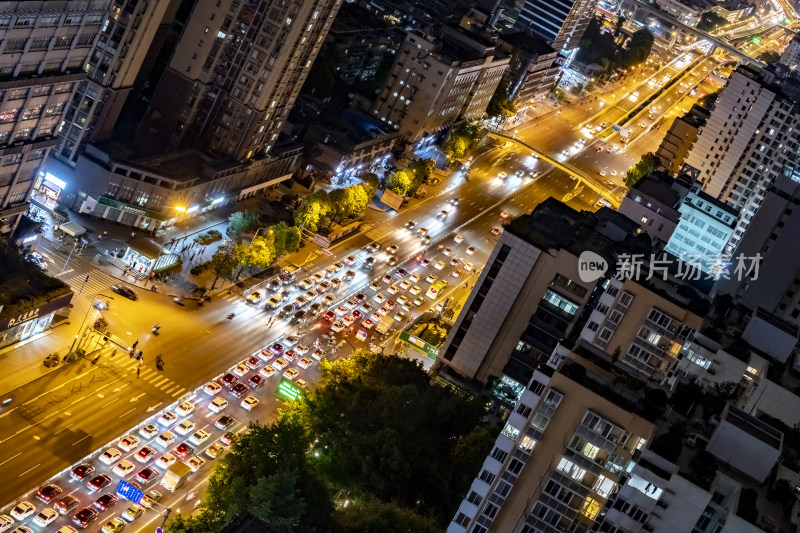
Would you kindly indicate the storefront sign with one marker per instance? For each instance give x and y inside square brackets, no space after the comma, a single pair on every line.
[37,312]
[32,238]
[61,184]
[130,209]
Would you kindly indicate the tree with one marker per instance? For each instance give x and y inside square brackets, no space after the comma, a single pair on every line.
[360,200]
[769,56]
[261,252]
[400,182]
[379,517]
[710,21]
[647,164]
[321,79]
[224,261]
[500,106]
[370,182]
[293,238]
[312,211]
[638,48]
[422,169]
[241,221]
[455,148]
[619,25]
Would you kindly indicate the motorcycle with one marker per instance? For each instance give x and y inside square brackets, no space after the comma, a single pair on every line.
[230,316]
[155,329]
[178,301]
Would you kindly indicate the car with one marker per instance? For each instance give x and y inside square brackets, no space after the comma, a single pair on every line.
[335,282]
[402,300]
[330,316]
[306,284]
[439,265]
[454,201]
[239,390]
[448,252]
[214,450]
[241,370]
[133,512]
[23,510]
[350,274]
[150,497]
[224,422]
[454,262]
[286,310]
[375,285]
[48,493]
[67,504]
[249,403]
[149,431]
[280,363]
[84,517]
[495,231]
[166,439]
[123,468]
[277,349]
[425,263]
[328,300]
[253,298]
[401,273]
[469,267]
[426,239]
[456,273]
[264,373]
[312,311]
[442,214]
[311,295]
[98,483]
[291,373]
[336,327]
[166,420]
[186,408]
[415,290]
[45,517]
[431,278]
[218,404]
[504,214]
[83,470]
[228,438]
[502,175]
[422,232]
[391,304]
[104,502]
[418,301]
[400,316]
[613,173]
[124,290]
[212,388]
[391,250]
[410,224]
[183,450]
[112,455]
[394,289]
[318,276]
[379,298]
[323,287]
[349,260]
[145,454]
[115,525]
[147,475]
[598,149]
[300,302]
[368,323]
[185,427]
[126,443]
[305,362]
[366,308]
[274,301]
[257,381]
[195,463]
[274,285]
[471,250]
[166,460]
[348,320]
[291,341]
[199,437]
[458,239]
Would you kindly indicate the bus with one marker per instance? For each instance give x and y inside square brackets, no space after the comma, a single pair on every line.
[436,289]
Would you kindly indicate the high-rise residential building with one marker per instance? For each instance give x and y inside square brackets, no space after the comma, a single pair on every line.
[436,82]
[772,235]
[530,295]
[564,451]
[45,47]
[560,22]
[791,55]
[116,61]
[653,202]
[680,137]
[750,138]
[529,71]
[234,76]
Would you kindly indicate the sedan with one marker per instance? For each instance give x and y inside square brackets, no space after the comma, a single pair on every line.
[84,517]
[166,460]
[115,525]
[418,301]
[256,381]
[335,282]
[145,454]
[23,510]
[149,431]
[167,419]
[379,298]
[341,310]
[241,370]
[239,390]
[277,348]
[124,290]
[266,372]
[401,272]
[280,363]
[224,422]
[368,323]
[319,355]
[291,373]
[45,517]
[147,475]
[82,471]
[212,388]
[349,260]
[415,290]
[48,493]
[337,327]
[214,450]
[187,408]
[104,502]
[127,443]
[439,265]
[458,239]
[400,316]
[185,427]
[199,437]
[431,278]
[375,285]
[290,355]
[133,512]
[123,468]
[195,463]
[112,455]
[98,483]
[217,404]
[386,278]
[166,439]
[249,403]
[228,379]
[330,316]
[471,250]
[183,450]
[348,320]
[391,250]
[305,362]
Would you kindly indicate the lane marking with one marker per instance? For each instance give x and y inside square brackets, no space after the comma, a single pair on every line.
[10,458]
[126,413]
[30,469]
[62,429]
[82,438]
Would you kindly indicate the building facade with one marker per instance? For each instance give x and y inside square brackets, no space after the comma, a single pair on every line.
[234,76]
[528,75]
[560,22]
[680,137]
[45,46]
[653,202]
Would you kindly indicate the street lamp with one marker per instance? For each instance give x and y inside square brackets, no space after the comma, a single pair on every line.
[84,320]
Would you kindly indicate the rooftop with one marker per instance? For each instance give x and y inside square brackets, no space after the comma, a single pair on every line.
[528,42]
[658,186]
[22,282]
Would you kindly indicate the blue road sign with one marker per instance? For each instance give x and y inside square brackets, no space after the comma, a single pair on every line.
[129,492]
[159,530]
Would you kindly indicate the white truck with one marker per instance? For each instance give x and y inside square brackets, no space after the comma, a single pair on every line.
[384,324]
[175,476]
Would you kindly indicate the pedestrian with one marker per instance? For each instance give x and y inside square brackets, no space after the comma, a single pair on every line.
[135,344]
[138,371]
[133,234]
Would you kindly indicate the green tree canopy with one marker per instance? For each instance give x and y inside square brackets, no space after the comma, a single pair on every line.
[500,105]
[422,169]
[370,182]
[638,48]
[224,261]
[400,182]
[647,164]
[710,21]
[241,221]
[315,208]
[455,148]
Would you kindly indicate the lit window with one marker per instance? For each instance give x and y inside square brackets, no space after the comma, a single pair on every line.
[590,508]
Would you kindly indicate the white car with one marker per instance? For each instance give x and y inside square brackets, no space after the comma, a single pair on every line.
[167,419]
[404,285]
[380,298]
[45,517]
[439,265]
[471,251]
[123,468]
[280,363]
[128,443]
[166,439]
[291,373]
[305,362]
[185,427]
[394,289]
[195,463]
[249,403]
[218,404]
[415,290]
[149,431]
[448,252]
[391,250]
[267,371]
[185,408]
[110,456]
[290,341]
[336,327]
[431,278]
[301,349]
[459,238]
[213,388]
[199,437]
[241,370]
[5,522]
[166,460]
[400,316]
[413,278]
[23,510]
[468,266]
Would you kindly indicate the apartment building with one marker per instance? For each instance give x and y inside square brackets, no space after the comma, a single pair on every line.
[234,76]
[791,54]
[530,294]
[653,202]
[680,137]
[528,74]
[121,50]
[564,451]
[643,326]
[749,139]
[436,82]
[560,22]
[45,46]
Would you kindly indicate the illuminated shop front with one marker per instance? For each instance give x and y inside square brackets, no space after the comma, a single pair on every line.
[48,189]
[25,323]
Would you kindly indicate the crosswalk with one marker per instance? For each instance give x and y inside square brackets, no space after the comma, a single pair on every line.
[98,282]
[153,377]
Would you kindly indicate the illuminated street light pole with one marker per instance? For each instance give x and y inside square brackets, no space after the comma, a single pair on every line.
[84,320]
